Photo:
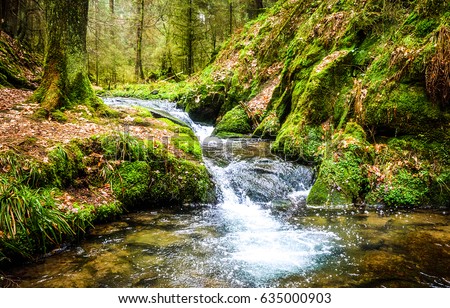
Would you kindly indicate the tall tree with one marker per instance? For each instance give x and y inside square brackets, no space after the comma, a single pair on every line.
[139,72]
[259,4]
[65,81]
[96,39]
[190,38]
[9,16]
[112,11]
[230,17]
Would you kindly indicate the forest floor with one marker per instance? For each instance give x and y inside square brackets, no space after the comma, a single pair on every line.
[22,133]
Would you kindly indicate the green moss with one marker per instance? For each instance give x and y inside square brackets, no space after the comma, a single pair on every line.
[131,186]
[188,143]
[405,109]
[269,127]
[339,182]
[321,195]
[410,172]
[65,164]
[342,179]
[58,116]
[107,212]
[405,189]
[426,26]
[236,121]
[143,112]
[299,142]
[182,181]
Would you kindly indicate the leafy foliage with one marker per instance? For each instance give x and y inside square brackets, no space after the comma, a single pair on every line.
[29,219]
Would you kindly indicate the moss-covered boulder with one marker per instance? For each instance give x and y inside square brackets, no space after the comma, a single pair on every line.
[203,104]
[235,123]
[409,172]
[269,127]
[342,178]
[165,184]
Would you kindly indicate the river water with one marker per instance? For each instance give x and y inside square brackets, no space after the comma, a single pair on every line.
[259,234]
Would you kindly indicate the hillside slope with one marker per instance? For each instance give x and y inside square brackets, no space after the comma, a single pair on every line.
[18,67]
[359,88]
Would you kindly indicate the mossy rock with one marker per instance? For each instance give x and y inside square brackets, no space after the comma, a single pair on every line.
[299,142]
[322,195]
[65,164]
[339,182]
[132,184]
[404,110]
[140,185]
[342,179]
[180,182]
[234,123]
[269,127]
[204,104]
[326,81]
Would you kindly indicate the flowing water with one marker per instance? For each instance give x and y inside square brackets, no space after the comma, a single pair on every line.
[260,234]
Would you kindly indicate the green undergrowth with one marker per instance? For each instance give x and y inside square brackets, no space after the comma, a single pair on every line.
[43,199]
[156,90]
[18,67]
[345,68]
[407,171]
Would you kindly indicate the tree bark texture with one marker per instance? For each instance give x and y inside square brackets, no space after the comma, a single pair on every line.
[190,39]
[139,72]
[65,81]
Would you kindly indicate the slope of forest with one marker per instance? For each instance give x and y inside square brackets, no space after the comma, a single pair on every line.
[18,67]
[360,89]
[79,166]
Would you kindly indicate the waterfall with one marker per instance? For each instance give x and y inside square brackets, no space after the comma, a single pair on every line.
[254,245]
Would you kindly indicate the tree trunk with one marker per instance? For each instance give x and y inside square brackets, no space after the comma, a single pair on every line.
[65,82]
[96,40]
[139,72]
[113,40]
[190,39]
[259,5]
[111,6]
[254,8]
[230,16]
[9,18]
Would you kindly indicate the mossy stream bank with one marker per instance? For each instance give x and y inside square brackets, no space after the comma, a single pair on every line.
[360,89]
[63,177]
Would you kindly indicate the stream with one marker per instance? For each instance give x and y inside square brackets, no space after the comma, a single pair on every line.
[259,234]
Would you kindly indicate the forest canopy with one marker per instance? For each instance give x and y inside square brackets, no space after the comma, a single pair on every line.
[141,40]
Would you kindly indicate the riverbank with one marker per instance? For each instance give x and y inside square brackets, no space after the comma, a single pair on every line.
[359,90]
[61,175]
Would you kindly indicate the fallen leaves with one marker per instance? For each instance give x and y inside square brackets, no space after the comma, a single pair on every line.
[259,103]
[23,134]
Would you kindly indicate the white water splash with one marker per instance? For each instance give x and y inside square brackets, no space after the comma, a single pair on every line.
[255,246]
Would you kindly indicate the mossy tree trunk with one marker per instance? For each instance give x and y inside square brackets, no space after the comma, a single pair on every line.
[65,82]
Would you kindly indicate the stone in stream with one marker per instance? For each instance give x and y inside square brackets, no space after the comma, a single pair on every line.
[163,114]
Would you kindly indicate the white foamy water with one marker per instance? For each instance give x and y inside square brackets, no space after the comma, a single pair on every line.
[254,246]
